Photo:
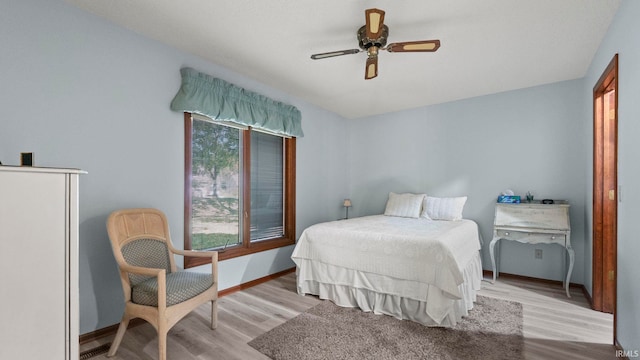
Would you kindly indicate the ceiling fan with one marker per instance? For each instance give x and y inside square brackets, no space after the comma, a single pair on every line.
[372,37]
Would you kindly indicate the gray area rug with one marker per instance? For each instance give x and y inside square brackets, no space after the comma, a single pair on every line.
[493,330]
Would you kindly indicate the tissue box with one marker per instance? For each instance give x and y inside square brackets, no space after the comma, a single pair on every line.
[509,199]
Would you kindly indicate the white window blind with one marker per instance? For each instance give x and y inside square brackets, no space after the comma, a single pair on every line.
[267,186]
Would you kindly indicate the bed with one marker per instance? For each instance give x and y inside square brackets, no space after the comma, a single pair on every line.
[423,270]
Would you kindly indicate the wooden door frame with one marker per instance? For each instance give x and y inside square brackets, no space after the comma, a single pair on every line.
[602,252]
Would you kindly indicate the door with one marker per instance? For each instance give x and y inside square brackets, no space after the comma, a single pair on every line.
[605,186]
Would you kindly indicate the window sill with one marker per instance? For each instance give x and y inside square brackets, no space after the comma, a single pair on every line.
[238,251]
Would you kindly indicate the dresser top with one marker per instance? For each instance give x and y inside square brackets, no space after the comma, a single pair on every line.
[538,203]
[34,169]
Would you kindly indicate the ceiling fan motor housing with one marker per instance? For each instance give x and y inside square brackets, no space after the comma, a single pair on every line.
[365,43]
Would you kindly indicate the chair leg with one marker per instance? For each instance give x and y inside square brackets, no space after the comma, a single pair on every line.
[162,341]
[121,330]
[214,314]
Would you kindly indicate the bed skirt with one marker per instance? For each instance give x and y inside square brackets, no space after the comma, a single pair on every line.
[402,299]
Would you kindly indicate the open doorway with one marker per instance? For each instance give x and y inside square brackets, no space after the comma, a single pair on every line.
[605,189]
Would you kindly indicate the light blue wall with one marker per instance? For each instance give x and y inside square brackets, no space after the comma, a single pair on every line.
[622,38]
[524,140]
[81,92]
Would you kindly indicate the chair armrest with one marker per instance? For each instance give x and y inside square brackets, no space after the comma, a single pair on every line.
[161,274]
[141,270]
[194,253]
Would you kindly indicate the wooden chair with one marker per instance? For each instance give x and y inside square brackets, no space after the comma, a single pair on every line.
[153,289]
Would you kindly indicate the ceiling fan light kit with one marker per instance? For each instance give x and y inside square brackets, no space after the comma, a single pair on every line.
[372,37]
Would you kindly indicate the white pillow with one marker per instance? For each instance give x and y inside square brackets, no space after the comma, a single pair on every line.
[404,205]
[436,208]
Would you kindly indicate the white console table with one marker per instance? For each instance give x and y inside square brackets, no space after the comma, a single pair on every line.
[533,223]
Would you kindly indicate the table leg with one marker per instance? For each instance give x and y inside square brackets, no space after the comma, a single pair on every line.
[493,258]
[571,260]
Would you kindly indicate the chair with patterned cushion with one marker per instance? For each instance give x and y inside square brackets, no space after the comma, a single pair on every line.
[153,289]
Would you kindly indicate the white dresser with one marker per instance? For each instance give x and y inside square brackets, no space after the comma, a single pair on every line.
[533,223]
[39,263]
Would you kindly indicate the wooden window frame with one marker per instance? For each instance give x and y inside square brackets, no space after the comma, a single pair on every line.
[246,247]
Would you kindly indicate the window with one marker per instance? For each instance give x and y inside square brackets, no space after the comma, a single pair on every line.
[239,189]
[267,186]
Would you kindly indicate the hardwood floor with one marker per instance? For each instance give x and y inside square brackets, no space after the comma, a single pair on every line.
[555,327]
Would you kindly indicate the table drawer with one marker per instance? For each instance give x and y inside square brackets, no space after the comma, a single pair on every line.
[532,237]
[533,216]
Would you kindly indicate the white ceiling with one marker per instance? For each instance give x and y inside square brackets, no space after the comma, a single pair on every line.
[488,46]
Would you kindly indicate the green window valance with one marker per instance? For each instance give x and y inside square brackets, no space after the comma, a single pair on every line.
[215,98]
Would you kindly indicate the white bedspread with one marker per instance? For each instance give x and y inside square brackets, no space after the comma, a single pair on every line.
[420,250]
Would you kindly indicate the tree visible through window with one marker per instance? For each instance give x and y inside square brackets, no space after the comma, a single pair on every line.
[215,186]
[239,189]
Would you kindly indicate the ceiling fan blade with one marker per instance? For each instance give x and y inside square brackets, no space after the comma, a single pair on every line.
[371,70]
[374,22]
[334,53]
[414,46]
